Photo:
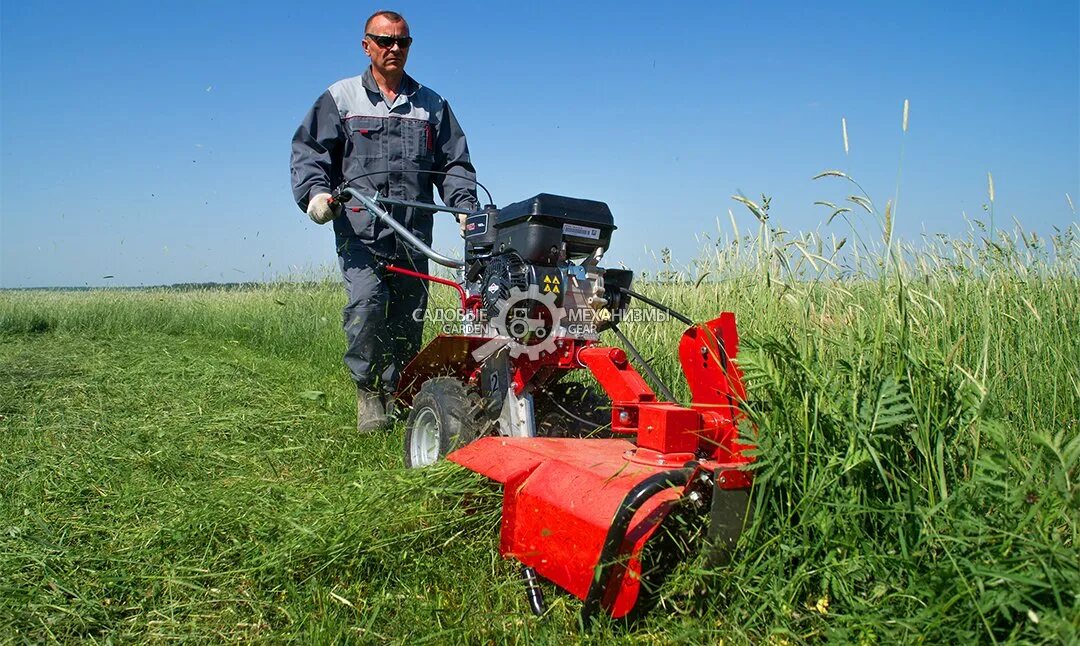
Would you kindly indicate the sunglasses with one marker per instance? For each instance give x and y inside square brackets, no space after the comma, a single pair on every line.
[386,42]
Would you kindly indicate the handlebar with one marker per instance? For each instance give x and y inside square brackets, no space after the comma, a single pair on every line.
[422,205]
[372,206]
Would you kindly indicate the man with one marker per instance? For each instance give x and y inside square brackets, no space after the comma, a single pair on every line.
[381,131]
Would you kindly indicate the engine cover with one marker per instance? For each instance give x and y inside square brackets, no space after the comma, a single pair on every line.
[541,227]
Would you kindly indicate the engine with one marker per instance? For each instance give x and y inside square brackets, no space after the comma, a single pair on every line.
[550,246]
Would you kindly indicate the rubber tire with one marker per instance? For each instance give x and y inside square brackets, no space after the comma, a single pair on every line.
[580,399]
[454,410]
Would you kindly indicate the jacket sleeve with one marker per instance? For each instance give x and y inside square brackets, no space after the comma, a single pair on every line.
[452,156]
[316,151]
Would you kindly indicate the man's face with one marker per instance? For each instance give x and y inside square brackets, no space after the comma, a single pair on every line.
[387,60]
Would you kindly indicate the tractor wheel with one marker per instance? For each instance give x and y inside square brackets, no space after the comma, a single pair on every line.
[443,418]
[572,410]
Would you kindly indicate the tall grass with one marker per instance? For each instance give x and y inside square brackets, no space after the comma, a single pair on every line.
[915,410]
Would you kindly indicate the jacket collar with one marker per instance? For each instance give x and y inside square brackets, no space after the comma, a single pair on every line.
[408,85]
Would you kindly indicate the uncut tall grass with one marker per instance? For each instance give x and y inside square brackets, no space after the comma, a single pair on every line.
[915,408]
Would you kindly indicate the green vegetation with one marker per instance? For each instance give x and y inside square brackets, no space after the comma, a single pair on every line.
[183,464]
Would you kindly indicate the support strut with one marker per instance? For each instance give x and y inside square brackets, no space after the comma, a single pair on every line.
[660,385]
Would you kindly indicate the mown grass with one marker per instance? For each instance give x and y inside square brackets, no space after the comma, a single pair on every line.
[157,487]
[183,464]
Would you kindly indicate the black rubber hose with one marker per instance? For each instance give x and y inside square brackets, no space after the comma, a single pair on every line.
[686,320]
[633,501]
[658,305]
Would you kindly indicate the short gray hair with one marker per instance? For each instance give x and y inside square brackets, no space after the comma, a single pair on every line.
[392,16]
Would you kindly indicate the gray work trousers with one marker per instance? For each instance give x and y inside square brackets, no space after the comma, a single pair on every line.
[381,330]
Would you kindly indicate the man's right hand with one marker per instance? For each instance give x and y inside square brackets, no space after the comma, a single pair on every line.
[320,210]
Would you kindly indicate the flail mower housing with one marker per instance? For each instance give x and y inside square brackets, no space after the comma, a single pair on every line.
[590,476]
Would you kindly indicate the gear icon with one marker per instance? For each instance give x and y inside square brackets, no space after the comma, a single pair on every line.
[511,329]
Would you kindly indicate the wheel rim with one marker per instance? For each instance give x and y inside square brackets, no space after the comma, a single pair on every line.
[424,448]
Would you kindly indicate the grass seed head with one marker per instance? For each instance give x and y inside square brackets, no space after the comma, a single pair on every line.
[888,222]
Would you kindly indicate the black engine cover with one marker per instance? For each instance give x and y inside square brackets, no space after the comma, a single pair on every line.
[536,228]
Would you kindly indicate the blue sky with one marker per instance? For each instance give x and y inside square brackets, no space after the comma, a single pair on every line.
[149,142]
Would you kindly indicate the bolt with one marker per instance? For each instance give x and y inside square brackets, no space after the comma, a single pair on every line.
[624,417]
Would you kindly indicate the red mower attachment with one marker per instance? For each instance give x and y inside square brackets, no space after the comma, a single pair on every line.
[581,511]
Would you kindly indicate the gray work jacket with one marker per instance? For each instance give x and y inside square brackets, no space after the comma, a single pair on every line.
[351,131]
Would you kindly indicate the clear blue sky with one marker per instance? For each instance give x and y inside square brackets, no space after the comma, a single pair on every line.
[150,141]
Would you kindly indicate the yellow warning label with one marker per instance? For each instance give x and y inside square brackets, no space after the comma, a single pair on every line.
[555,281]
[547,279]
[547,288]
[555,289]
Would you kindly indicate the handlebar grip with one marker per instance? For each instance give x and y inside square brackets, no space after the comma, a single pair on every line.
[340,196]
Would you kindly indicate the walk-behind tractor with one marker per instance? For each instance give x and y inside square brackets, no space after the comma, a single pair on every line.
[594,481]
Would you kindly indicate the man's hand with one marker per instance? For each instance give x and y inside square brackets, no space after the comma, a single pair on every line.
[461,218]
[320,210]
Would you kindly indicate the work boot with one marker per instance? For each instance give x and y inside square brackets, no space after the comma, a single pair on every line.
[389,403]
[370,412]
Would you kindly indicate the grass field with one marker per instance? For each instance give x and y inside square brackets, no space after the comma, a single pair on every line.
[184,464]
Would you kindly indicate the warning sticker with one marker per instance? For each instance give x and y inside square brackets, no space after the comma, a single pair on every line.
[551,284]
[580,231]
